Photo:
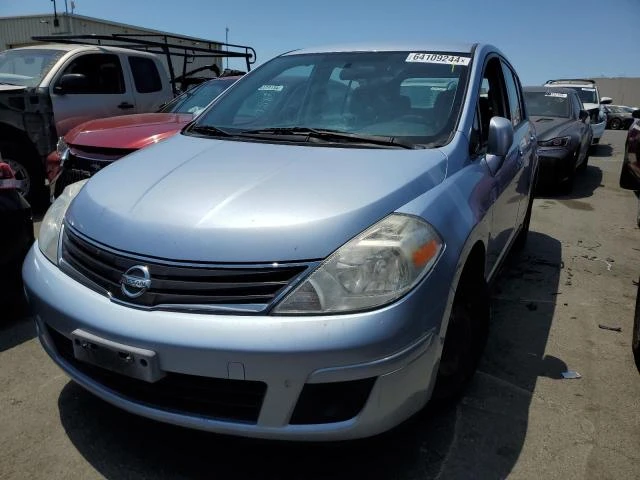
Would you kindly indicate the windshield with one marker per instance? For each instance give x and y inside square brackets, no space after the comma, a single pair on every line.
[196,99]
[586,94]
[27,67]
[411,97]
[547,104]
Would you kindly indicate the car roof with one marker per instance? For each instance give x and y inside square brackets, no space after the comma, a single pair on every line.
[568,91]
[389,47]
[73,47]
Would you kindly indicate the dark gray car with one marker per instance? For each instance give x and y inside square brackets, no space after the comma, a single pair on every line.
[564,133]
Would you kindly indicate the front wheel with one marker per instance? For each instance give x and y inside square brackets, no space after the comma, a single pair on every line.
[465,340]
[616,124]
[27,170]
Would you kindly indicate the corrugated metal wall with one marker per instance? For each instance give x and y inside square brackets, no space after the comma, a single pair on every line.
[17,32]
[624,91]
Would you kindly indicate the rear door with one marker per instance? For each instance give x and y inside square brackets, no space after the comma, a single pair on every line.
[105,92]
[523,136]
[152,88]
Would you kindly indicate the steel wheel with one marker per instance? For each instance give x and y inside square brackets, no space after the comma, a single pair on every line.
[21,174]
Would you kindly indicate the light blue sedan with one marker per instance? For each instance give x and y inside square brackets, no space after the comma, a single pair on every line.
[310,259]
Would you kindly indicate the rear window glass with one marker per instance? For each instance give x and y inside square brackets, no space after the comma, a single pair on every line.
[145,75]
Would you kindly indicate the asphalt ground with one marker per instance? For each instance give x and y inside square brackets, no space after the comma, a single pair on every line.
[519,419]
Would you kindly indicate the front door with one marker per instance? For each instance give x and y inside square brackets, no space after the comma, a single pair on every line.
[103,92]
[494,102]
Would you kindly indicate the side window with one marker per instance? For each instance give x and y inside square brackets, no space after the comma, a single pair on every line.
[145,75]
[515,101]
[102,74]
[577,105]
[492,102]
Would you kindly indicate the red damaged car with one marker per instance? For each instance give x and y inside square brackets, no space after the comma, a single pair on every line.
[93,145]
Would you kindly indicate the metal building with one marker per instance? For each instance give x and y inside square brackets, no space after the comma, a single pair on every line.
[623,90]
[18,32]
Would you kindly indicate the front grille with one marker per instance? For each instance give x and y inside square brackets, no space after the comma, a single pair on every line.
[67,177]
[82,163]
[200,284]
[216,398]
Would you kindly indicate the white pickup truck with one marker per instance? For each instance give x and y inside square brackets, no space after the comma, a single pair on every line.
[46,90]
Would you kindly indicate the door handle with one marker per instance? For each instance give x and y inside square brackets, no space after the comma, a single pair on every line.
[126,105]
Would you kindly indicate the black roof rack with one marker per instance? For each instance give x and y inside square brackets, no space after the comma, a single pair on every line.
[572,80]
[164,44]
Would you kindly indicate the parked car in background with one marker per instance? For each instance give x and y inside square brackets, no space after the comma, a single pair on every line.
[56,87]
[564,134]
[630,172]
[302,261]
[630,180]
[93,145]
[47,89]
[589,94]
[619,116]
[16,237]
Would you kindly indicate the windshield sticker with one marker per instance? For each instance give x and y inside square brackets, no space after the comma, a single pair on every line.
[589,89]
[555,94]
[272,88]
[438,58]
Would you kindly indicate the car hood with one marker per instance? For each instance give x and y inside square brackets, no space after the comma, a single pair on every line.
[550,127]
[207,200]
[127,131]
[591,106]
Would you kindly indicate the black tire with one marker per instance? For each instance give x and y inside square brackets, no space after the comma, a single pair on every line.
[585,162]
[521,239]
[29,170]
[465,340]
[566,186]
[615,124]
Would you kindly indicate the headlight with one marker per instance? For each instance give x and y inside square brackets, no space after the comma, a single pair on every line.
[52,221]
[373,269]
[63,150]
[555,142]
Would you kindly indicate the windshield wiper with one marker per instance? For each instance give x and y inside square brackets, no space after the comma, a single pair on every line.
[211,131]
[329,135]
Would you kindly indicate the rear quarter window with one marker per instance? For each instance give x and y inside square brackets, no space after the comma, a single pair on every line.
[145,75]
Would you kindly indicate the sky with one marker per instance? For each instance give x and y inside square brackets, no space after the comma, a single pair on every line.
[543,39]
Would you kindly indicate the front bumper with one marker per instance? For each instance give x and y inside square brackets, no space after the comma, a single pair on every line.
[292,356]
[556,165]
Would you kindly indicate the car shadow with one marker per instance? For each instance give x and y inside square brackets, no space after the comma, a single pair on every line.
[15,327]
[584,185]
[601,150]
[481,436]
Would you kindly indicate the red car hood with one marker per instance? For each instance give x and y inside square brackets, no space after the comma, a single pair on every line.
[127,131]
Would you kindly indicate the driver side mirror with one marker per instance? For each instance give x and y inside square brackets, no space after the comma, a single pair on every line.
[71,83]
[583,115]
[606,100]
[500,141]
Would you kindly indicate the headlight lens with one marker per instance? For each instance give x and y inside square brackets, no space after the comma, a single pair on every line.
[555,142]
[373,269]
[52,222]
